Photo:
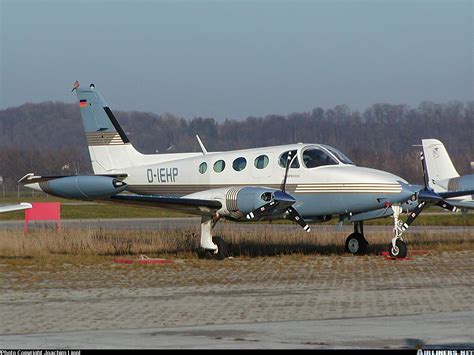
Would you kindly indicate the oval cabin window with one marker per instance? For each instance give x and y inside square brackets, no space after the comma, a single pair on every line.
[203,168]
[261,162]
[219,166]
[239,164]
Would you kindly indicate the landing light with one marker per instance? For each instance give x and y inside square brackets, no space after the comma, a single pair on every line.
[118,183]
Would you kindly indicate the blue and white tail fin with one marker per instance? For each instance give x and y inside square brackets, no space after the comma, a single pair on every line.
[109,147]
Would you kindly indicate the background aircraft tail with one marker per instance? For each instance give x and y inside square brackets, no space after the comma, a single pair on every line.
[109,147]
[443,176]
[438,163]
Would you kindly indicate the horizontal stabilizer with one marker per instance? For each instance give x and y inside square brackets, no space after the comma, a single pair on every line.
[18,207]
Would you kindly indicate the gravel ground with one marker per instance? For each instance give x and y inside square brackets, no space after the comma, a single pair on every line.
[67,295]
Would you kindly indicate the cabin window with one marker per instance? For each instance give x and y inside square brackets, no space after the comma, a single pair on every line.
[313,158]
[203,167]
[219,166]
[239,164]
[261,162]
[284,157]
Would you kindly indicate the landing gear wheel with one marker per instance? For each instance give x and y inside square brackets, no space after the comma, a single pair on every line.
[222,250]
[400,250]
[356,244]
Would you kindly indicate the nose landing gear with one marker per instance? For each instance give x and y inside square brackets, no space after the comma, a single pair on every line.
[398,248]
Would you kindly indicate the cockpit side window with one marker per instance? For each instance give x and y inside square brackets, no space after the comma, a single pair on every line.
[339,155]
[314,157]
[284,158]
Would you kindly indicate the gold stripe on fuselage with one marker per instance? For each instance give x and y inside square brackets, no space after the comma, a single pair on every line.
[175,189]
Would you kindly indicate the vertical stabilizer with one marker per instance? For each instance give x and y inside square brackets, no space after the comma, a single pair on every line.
[438,163]
[109,147]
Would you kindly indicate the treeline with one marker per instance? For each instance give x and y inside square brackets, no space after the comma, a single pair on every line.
[48,138]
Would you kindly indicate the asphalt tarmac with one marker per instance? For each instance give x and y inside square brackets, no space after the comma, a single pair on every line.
[149,224]
[429,331]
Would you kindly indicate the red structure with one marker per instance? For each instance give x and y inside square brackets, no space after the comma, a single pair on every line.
[43,211]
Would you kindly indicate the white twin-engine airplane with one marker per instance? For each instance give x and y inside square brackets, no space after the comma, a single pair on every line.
[300,182]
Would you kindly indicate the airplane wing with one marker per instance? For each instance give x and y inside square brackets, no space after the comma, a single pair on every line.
[10,208]
[189,205]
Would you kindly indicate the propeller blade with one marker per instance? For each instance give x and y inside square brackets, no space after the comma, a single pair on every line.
[262,210]
[295,216]
[288,161]
[413,215]
[425,172]
[447,206]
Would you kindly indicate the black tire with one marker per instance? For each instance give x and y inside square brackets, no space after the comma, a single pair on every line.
[356,244]
[401,250]
[222,250]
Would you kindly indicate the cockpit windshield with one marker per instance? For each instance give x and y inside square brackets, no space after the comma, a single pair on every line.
[338,154]
[314,157]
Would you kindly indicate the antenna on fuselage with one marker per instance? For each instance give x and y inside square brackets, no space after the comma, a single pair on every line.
[203,148]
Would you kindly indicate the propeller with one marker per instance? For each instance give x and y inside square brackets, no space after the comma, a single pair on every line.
[281,200]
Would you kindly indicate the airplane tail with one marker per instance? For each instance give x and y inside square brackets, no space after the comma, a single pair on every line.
[109,147]
[439,166]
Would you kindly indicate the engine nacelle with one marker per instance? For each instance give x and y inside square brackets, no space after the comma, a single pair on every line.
[250,198]
[83,187]
[237,201]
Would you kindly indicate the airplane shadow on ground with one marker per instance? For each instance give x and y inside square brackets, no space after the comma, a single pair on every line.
[260,249]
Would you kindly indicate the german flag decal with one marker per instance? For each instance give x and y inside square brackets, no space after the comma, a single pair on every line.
[83,103]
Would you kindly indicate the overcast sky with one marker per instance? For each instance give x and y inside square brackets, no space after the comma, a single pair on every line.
[237,58]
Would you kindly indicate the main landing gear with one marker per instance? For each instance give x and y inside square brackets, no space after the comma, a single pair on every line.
[356,242]
[214,247]
[398,248]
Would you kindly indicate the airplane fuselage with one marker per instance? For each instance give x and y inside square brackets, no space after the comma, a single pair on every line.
[337,188]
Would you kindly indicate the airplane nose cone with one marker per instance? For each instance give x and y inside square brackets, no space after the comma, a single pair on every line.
[398,188]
